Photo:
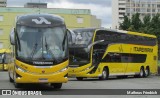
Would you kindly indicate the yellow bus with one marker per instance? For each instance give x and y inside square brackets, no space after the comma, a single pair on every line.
[39,50]
[4,59]
[102,53]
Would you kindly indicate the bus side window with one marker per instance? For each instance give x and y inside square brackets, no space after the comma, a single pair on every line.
[112,57]
[116,57]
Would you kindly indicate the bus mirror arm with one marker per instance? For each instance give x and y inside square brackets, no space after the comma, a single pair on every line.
[96,42]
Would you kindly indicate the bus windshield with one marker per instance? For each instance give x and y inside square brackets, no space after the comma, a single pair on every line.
[79,55]
[83,37]
[45,44]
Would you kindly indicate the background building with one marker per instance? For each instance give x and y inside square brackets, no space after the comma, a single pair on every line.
[35,5]
[74,18]
[130,7]
[3,3]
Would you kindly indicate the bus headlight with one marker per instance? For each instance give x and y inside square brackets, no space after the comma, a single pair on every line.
[87,68]
[64,69]
[20,69]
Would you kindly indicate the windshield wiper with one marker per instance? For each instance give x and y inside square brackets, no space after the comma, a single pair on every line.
[47,48]
[34,49]
[48,51]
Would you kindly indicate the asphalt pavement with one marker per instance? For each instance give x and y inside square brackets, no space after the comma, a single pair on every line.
[91,85]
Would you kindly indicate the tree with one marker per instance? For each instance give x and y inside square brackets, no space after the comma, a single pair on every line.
[136,22]
[126,23]
[133,24]
[146,21]
[146,25]
[155,24]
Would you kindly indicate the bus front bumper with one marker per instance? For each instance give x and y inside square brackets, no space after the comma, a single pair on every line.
[24,77]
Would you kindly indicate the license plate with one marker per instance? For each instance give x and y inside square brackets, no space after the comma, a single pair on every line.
[43,80]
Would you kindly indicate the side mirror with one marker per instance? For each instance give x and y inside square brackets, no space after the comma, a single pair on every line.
[12,37]
[71,36]
[2,56]
[96,42]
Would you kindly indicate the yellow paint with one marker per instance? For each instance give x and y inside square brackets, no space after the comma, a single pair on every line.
[33,74]
[22,72]
[2,65]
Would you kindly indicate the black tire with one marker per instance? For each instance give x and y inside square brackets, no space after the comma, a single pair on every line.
[10,79]
[105,74]
[79,78]
[147,72]
[17,85]
[56,85]
[142,73]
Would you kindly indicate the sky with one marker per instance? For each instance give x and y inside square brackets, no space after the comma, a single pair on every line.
[101,8]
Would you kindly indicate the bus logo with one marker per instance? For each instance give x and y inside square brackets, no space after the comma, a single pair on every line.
[140,49]
[42,20]
[43,71]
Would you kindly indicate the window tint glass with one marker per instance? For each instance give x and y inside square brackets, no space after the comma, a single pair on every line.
[125,58]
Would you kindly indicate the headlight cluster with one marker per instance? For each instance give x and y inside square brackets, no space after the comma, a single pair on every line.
[23,70]
[20,69]
[87,68]
[64,69]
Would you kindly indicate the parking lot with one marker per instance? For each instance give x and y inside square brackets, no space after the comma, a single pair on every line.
[152,82]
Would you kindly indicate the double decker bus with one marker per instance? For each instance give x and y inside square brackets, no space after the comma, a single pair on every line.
[103,53]
[4,59]
[39,50]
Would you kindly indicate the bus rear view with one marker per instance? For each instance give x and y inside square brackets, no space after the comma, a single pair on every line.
[39,46]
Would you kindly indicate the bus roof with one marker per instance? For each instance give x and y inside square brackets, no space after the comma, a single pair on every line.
[130,32]
[141,34]
[119,31]
[40,20]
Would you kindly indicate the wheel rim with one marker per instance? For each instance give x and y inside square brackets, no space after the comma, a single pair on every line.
[104,74]
[147,72]
[141,73]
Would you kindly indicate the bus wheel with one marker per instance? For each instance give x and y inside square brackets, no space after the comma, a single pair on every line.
[56,85]
[104,74]
[79,78]
[142,72]
[147,72]
[10,79]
